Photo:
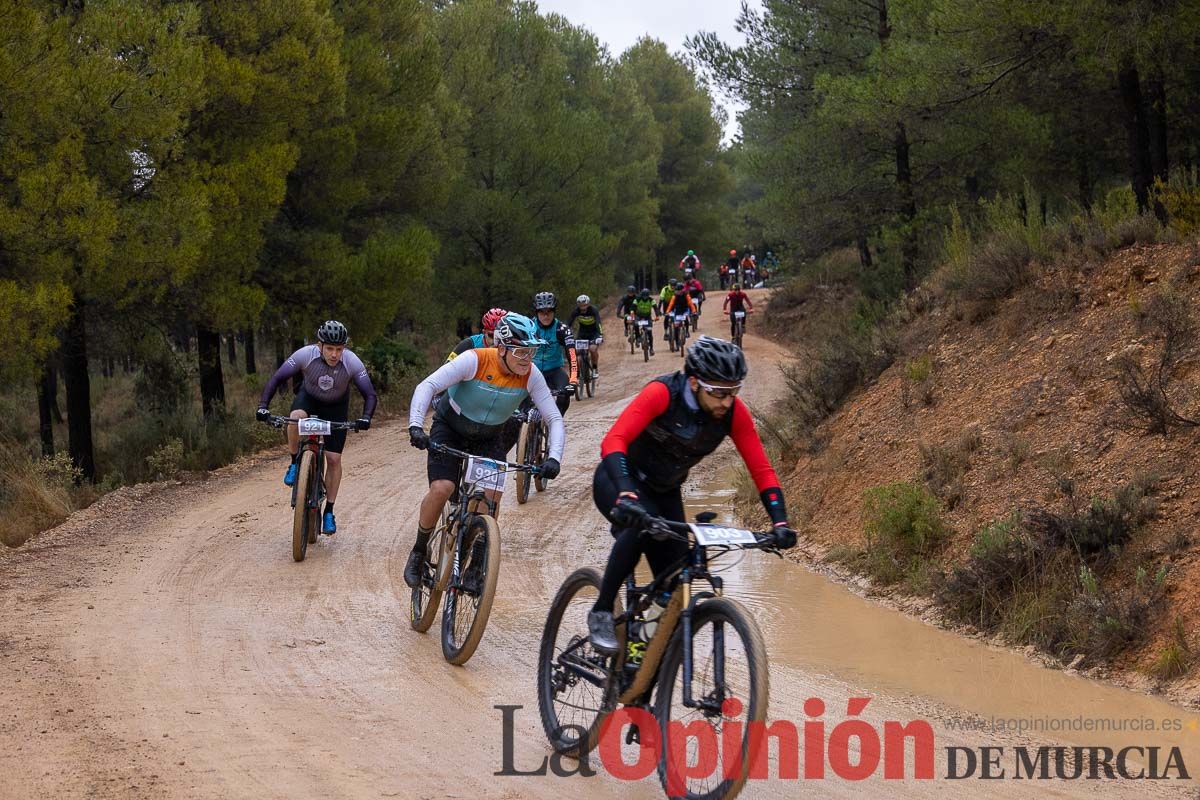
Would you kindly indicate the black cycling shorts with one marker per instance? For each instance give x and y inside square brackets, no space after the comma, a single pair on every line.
[337,411]
[442,467]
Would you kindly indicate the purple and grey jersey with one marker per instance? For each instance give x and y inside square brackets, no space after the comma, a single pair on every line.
[322,382]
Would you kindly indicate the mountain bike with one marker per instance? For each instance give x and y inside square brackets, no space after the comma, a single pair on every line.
[309,489]
[533,447]
[679,330]
[739,326]
[583,357]
[645,330]
[705,649]
[694,318]
[462,560]
[632,332]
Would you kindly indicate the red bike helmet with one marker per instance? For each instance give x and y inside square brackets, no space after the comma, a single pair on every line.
[491,318]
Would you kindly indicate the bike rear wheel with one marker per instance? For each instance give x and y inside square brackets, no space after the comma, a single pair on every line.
[465,616]
[575,690]
[434,576]
[302,517]
[729,662]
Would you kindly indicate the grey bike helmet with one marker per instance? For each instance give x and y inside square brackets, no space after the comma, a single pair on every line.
[583,300]
[332,332]
[711,359]
[544,301]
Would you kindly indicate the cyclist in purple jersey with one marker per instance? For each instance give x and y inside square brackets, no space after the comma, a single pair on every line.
[328,369]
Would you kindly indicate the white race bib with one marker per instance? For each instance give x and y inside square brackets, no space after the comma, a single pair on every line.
[485,474]
[708,535]
[311,426]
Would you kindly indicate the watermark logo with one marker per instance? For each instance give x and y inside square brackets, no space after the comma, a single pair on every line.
[851,750]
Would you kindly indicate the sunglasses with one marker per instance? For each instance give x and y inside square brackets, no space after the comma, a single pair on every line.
[522,353]
[719,392]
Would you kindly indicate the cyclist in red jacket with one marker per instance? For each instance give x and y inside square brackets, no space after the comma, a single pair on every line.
[673,423]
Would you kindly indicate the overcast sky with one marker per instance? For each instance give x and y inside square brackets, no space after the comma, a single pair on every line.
[619,23]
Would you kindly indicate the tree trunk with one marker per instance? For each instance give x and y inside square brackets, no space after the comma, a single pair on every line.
[251,362]
[231,342]
[864,252]
[47,388]
[1138,134]
[79,393]
[908,207]
[1156,97]
[1085,180]
[212,384]
[279,354]
[51,376]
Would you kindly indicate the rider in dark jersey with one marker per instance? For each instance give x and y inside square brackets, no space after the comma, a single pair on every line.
[588,317]
[328,369]
[625,305]
[666,430]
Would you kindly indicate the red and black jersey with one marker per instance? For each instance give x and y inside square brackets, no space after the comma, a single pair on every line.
[737,301]
[659,437]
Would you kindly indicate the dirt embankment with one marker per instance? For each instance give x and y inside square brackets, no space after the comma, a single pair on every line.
[1033,386]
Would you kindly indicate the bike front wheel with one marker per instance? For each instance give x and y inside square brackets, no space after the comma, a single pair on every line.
[729,663]
[465,616]
[303,518]
[575,691]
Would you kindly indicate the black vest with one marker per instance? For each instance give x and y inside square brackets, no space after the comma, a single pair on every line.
[676,440]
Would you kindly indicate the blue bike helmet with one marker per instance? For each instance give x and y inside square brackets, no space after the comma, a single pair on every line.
[517,330]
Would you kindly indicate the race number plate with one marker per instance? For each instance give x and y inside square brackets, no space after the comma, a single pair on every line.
[311,426]
[643,323]
[486,474]
[708,535]
[740,314]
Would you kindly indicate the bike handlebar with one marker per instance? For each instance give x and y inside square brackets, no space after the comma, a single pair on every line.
[437,447]
[279,422]
[681,531]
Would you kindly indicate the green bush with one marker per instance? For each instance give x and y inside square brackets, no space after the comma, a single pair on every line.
[390,359]
[903,516]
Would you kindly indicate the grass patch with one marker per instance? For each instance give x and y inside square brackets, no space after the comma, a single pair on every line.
[903,527]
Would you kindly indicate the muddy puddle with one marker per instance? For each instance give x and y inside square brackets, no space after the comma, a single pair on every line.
[814,626]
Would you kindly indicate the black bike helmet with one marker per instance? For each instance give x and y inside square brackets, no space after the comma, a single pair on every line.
[544,301]
[645,293]
[631,288]
[674,283]
[332,332]
[711,359]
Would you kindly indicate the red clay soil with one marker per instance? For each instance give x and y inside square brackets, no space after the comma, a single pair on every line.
[1037,371]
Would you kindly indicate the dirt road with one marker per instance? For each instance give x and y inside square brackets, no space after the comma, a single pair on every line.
[164,644]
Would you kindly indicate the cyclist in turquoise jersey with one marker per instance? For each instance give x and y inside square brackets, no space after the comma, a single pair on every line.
[479,392]
[555,360]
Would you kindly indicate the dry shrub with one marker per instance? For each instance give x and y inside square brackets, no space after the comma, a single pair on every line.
[36,494]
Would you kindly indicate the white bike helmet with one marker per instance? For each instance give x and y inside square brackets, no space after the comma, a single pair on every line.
[583,300]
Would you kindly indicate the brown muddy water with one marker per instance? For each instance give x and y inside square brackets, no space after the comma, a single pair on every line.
[981,694]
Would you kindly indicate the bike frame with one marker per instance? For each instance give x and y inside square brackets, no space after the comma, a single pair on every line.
[679,612]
